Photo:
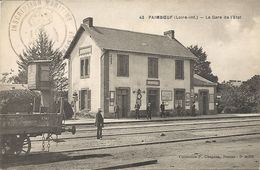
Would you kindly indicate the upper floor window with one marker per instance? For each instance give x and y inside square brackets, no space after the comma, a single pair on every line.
[84,67]
[122,65]
[85,53]
[179,69]
[152,67]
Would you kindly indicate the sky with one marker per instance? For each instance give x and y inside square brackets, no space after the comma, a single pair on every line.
[232,44]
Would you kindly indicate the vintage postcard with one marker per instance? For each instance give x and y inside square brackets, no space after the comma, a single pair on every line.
[129,84]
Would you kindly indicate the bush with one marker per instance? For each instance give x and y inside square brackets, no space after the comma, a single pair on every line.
[12,101]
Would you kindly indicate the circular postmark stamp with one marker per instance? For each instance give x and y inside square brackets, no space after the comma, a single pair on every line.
[51,16]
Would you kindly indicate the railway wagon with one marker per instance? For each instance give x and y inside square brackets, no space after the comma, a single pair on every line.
[16,130]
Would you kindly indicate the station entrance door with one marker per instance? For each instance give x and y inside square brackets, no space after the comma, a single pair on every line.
[123,101]
[153,97]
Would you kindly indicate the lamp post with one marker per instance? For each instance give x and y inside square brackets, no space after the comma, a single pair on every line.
[139,96]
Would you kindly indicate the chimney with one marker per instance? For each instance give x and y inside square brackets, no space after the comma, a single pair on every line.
[169,34]
[88,21]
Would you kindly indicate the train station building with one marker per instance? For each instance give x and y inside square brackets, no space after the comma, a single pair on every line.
[109,67]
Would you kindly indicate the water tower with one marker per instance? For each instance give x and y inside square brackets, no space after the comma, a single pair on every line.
[39,79]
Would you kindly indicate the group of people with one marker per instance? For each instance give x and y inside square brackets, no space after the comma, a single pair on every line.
[100,120]
[137,111]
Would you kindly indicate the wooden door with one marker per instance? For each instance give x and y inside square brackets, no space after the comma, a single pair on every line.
[153,98]
[123,101]
[203,102]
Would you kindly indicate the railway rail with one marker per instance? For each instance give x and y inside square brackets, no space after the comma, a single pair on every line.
[82,153]
[162,142]
[150,132]
[144,120]
[164,125]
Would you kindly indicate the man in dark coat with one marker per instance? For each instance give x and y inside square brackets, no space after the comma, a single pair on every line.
[162,110]
[116,110]
[137,108]
[149,111]
[99,123]
[193,109]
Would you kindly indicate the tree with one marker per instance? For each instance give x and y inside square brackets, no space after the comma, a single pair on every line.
[202,66]
[10,78]
[241,99]
[42,49]
[251,92]
[231,98]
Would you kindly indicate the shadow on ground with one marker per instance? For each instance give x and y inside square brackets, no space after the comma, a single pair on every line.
[35,159]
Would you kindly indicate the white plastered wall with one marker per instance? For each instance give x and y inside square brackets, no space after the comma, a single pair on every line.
[94,81]
[138,74]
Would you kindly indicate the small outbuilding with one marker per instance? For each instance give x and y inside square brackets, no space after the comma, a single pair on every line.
[204,95]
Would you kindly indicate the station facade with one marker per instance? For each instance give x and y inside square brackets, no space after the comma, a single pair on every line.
[109,67]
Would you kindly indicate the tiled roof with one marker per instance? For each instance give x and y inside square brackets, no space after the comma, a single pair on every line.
[129,41]
[200,81]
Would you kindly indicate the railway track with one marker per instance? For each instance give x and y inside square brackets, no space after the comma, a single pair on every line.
[81,153]
[51,157]
[144,120]
[159,131]
[161,142]
[164,125]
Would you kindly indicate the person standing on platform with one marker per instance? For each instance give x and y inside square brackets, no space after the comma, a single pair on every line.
[162,106]
[99,123]
[149,111]
[137,108]
[193,109]
[116,110]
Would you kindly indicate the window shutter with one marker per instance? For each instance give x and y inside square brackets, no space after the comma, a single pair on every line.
[81,68]
[182,69]
[156,67]
[149,67]
[86,67]
[80,100]
[89,99]
[118,65]
[127,65]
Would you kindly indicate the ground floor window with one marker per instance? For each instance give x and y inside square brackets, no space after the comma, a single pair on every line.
[85,99]
[179,98]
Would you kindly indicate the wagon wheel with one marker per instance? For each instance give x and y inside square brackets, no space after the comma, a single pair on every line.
[23,145]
